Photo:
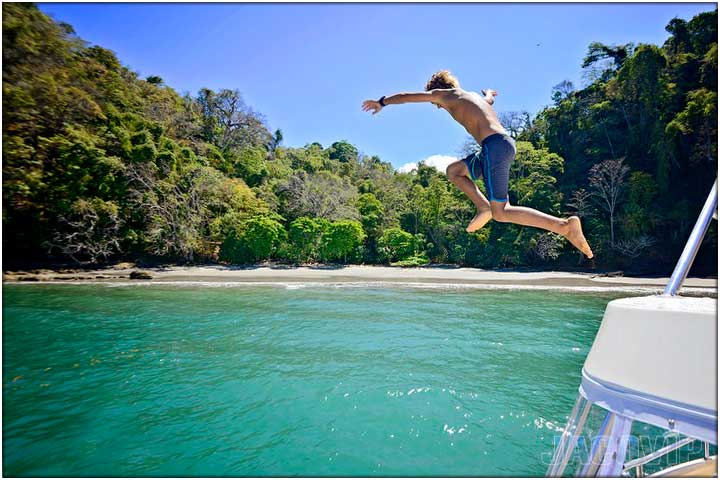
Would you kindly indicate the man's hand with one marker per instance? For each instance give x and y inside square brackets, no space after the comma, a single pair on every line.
[373,105]
[489,95]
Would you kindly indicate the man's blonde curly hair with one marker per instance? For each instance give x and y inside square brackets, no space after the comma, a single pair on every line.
[442,79]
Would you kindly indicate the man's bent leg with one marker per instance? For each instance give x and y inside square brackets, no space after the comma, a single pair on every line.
[569,228]
[457,173]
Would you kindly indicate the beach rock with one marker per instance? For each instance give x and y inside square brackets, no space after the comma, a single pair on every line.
[138,275]
[42,271]
[609,274]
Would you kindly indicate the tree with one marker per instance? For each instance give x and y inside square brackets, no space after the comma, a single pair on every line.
[341,238]
[640,89]
[92,231]
[258,238]
[608,180]
[533,177]
[372,216]
[343,152]
[226,203]
[601,60]
[305,236]
[633,248]
[249,164]
[321,195]
[546,246]
[679,41]
[580,202]
[639,213]
[562,90]
[695,127]
[396,244]
[616,53]
[443,213]
[228,122]
[275,141]
[310,159]
[172,209]
[425,174]
[514,122]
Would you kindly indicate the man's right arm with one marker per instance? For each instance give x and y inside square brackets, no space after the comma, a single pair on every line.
[434,96]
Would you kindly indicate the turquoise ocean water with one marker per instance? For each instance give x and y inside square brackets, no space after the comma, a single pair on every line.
[103,380]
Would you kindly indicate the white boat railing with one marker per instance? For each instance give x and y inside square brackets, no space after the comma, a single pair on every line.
[692,246]
[638,463]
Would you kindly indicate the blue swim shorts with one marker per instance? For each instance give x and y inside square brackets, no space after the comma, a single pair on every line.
[492,162]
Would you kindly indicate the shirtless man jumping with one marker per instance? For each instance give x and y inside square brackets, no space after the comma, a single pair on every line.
[475,112]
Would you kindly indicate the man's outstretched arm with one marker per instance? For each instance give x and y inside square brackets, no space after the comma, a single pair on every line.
[434,96]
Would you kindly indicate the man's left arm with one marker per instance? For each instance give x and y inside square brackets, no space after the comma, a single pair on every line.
[489,95]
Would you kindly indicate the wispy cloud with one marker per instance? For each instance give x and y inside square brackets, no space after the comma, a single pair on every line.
[439,162]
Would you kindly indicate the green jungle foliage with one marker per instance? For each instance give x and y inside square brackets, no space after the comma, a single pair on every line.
[100,165]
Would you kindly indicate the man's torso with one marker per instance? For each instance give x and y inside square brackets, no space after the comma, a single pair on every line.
[473,112]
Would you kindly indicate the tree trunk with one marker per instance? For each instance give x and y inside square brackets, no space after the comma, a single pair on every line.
[625,115]
[612,150]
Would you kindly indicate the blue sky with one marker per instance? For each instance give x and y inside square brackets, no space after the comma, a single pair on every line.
[308,67]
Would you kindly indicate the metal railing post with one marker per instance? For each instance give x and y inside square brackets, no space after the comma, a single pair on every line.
[693,244]
[657,454]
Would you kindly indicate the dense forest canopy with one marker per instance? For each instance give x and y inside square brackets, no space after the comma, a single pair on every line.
[101,165]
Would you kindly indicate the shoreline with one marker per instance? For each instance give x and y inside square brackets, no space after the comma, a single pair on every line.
[352,275]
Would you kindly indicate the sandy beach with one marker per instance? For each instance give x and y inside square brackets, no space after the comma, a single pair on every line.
[435,275]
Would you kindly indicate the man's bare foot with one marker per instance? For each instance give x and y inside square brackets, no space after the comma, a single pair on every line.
[479,221]
[576,237]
